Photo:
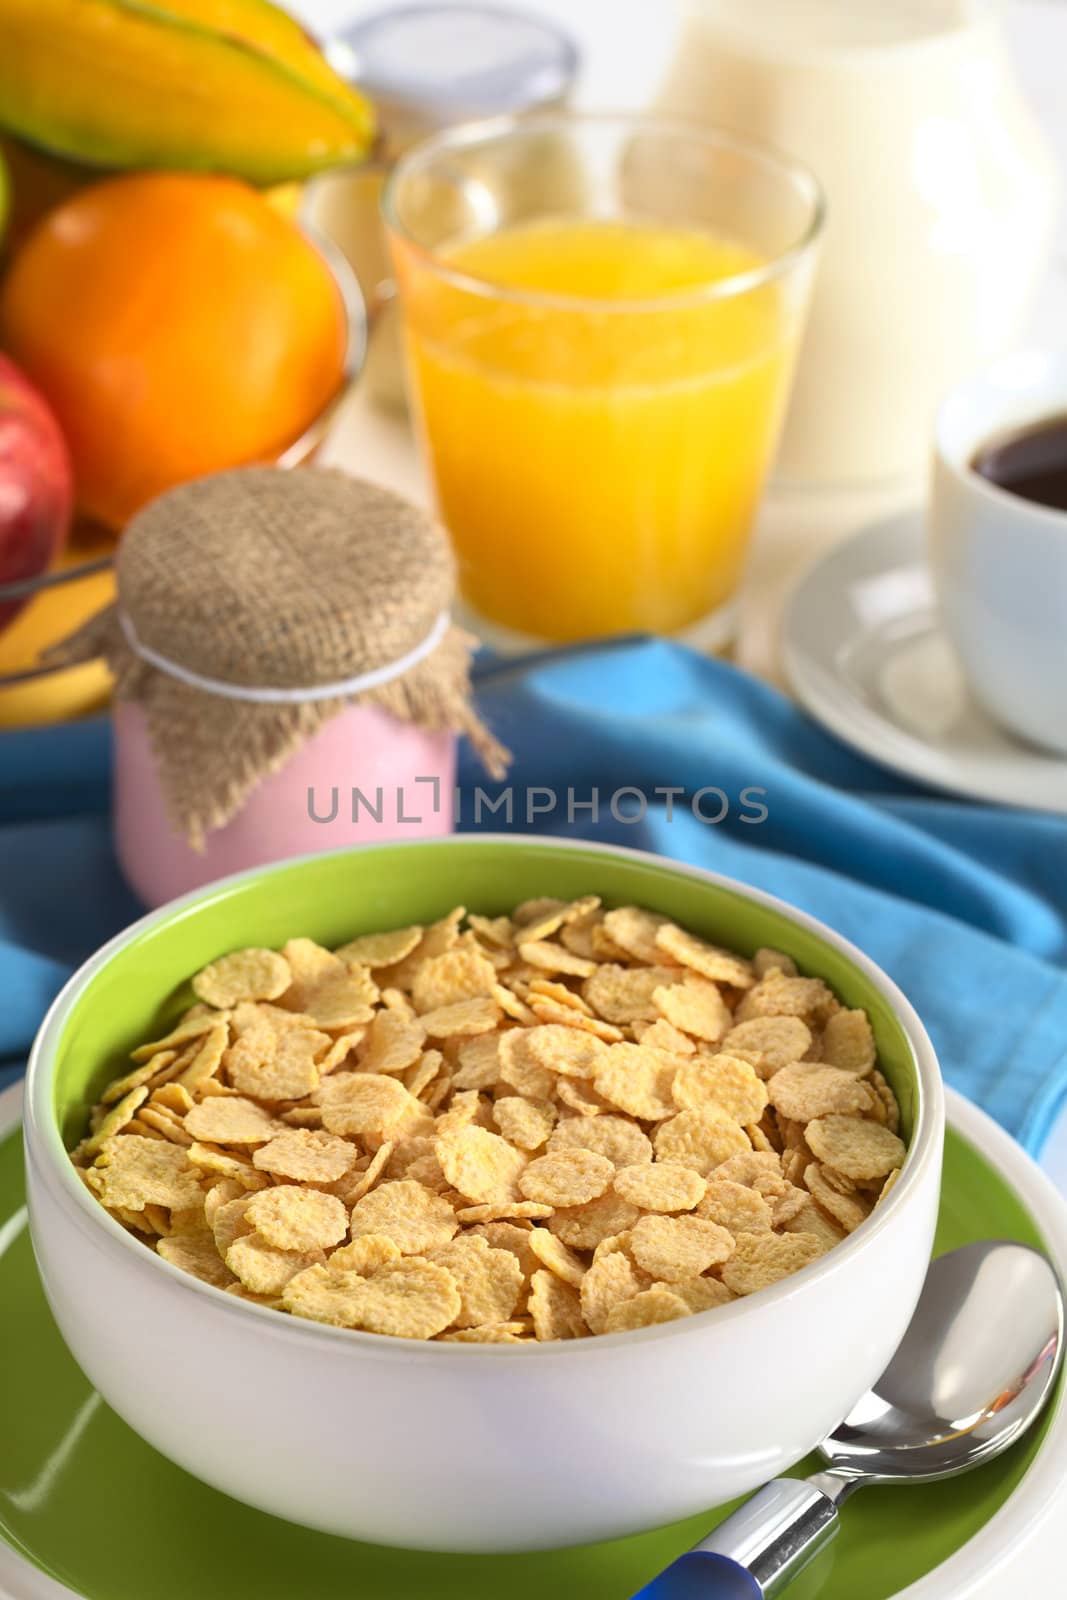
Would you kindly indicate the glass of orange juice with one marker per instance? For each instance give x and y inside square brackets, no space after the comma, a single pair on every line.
[602,316]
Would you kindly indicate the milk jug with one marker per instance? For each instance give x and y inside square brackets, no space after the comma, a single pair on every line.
[941,202]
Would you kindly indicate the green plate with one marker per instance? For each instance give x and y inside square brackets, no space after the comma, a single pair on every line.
[84,1499]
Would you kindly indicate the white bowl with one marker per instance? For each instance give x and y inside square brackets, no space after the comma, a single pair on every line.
[453,1446]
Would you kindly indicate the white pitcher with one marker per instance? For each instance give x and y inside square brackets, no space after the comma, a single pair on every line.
[942,200]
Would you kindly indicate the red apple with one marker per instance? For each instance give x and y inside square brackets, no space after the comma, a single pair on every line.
[36,486]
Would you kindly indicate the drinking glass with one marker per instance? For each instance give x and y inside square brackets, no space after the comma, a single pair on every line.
[602,315]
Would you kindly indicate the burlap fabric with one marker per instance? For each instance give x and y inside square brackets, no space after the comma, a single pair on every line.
[273,579]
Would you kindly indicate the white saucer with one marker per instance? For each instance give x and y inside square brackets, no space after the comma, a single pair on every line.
[864,652]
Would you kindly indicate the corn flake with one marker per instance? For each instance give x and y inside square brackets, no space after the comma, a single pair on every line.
[637,1080]
[679,1247]
[812,1220]
[357,1187]
[365,1254]
[767,960]
[207,1058]
[695,1007]
[660,1186]
[581,1097]
[633,930]
[392,1043]
[755,1169]
[263,1268]
[505,1210]
[546,1009]
[522,1122]
[306,1155]
[462,973]
[721,1082]
[699,1294]
[291,1218]
[488,1333]
[663,1035]
[195,1253]
[625,994]
[769,1043]
[489,1281]
[806,1091]
[116,1118]
[380,949]
[231,1119]
[270,1065]
[779,995]
[478,1063]
[646,1310]
[721,966]
[321,1294]
[342,1002]
[762,1259]
[566,1177]
[860,1150]
[135,1172]
[481,1165]
[244,975]
[554,958]
[611,1279]
[702,1139]
[369,1104]
[584,1227]
[734,1206]
[513,1235]
[887,1109]
[463,1018]
[847,1209]
[848,1042]
[621,1141]
[520,1068]
[555,1308]
[120,1087]
[553,1254]
[565,1051]
[414,1217]
[190,1027]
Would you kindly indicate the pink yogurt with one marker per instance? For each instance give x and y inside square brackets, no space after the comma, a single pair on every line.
[308,805]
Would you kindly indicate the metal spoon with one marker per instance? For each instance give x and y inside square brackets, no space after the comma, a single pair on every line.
[976,1366]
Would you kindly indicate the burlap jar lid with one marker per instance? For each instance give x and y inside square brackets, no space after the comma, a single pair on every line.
[255,604]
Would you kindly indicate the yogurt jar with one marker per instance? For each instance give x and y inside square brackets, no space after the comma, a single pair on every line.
[287,675]
[363,778]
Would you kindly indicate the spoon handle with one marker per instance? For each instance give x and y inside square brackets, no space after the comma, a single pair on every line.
[756,1553]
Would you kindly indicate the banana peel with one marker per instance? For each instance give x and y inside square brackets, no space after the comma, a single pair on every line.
[230,86]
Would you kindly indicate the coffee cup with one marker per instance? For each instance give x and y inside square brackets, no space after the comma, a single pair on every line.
[999,554]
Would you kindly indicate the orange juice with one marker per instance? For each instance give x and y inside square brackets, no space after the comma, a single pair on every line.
[599,418]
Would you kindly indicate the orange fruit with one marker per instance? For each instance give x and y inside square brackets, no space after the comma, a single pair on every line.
[178,324]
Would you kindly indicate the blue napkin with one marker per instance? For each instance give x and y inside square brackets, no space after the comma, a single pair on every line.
[964,906]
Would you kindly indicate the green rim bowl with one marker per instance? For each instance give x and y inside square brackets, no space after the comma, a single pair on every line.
[452,1446]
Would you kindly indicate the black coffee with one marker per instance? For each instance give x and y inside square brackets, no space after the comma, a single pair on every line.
[1031,463]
